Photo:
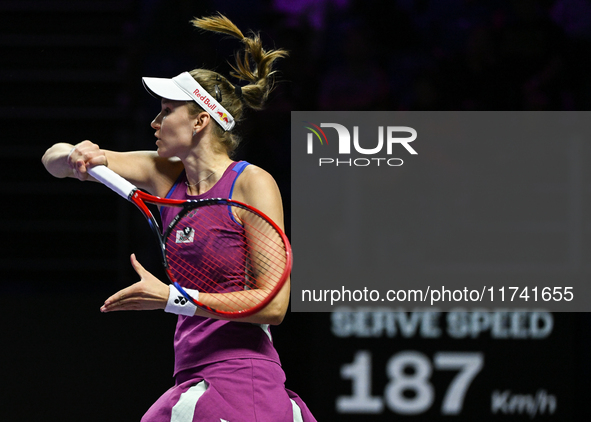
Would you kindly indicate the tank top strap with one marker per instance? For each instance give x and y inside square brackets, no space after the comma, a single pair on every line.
[182,177]
[238,169]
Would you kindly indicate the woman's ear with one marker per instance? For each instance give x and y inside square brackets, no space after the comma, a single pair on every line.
[201,122]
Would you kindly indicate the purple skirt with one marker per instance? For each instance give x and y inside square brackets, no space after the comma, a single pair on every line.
[237,390]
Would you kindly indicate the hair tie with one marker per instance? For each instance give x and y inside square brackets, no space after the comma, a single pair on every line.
[238,91]
[218,93]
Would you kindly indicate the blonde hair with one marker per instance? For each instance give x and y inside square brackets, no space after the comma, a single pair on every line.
[252,64]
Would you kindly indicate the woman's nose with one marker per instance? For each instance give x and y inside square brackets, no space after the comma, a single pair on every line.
[156,122]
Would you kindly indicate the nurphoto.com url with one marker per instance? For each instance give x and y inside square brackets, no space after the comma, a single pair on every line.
[443,295]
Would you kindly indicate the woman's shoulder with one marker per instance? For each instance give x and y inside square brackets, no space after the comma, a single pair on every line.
[253,183]
[254,177]
[256,187]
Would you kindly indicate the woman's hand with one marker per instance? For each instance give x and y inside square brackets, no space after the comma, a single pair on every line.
[147,294]
[84,155]
[67,160]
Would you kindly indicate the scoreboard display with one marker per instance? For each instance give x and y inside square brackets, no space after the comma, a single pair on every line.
[458,365]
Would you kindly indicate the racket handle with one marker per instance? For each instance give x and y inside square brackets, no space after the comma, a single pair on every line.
[113,181]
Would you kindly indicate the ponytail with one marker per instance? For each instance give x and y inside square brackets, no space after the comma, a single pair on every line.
[253,64]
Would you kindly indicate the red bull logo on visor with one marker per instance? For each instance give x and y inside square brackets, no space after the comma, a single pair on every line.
[223,117]
[205,99]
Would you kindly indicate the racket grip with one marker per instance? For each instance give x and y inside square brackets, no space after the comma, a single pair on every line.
[113,181]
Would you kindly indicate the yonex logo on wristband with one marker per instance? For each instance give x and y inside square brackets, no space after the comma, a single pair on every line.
[178,304]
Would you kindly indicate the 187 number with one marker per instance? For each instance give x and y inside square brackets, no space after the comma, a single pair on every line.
[409,371]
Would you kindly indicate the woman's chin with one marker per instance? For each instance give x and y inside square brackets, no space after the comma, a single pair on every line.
[162,152]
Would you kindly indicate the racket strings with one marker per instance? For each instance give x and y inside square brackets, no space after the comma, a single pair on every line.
[267,252]
[188,271]
[274,258]
[261,251]
[249,243]
[277,249]
[213,286]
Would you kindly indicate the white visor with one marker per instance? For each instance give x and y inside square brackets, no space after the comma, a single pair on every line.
[185,88]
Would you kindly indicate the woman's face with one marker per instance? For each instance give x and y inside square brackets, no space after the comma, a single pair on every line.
[174,128]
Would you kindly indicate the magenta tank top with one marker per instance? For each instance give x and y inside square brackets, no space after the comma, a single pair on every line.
[198,340]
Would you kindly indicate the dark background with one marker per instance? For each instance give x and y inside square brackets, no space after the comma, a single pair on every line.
[70,70]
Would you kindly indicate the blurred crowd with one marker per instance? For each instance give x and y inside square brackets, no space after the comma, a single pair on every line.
[397,54]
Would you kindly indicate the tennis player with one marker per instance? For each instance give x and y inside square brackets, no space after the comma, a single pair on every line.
[224,370]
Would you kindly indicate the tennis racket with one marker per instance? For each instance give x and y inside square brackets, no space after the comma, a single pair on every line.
[218,246]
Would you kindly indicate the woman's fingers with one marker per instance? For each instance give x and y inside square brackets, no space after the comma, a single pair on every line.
[139,269]
[147,294]
[84,155]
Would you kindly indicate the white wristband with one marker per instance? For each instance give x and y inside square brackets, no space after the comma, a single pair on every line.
[179,304]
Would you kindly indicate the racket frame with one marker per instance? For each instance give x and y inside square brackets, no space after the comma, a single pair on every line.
[140,199]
